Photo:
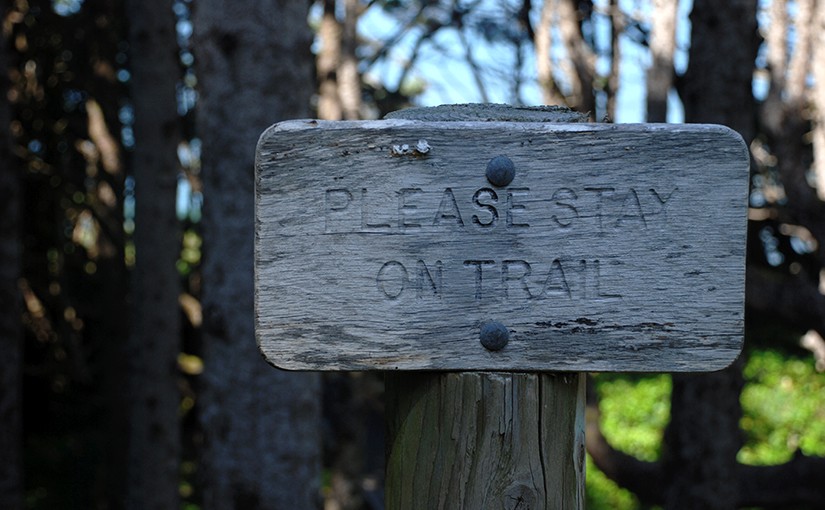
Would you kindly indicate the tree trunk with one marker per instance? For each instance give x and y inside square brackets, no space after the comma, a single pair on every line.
[719,90]
[776,39]
[154,436]
[818,98]
[260,425]
[617,26]
[799,66]
[662,46]
[703,437]
[544,55]
[580,63]
[11,333]
[329,58]
[349,79]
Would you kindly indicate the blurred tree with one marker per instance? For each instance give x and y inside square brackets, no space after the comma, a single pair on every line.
[662,47]
[339,81]
[579,65]
[261,426]
[327,62]
[703,437]
[67,95]
[11,331]
[154,437]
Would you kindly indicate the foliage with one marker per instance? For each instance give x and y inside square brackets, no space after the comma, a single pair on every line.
[604,494]
[784,410]
[635,411]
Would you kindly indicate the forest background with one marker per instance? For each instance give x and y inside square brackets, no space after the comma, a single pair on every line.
[129,376]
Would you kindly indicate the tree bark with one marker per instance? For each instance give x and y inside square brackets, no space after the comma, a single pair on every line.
[349,79]
[544,56]
[662,46]
[703,437]
[617,26]
[776,38]
[154,436]
[260,425]
[329,58]
[799,66]
[776,44]
[339,82]
[580,64]
[719,90]
[11,332]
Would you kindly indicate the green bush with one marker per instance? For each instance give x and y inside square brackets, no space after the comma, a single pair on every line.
[782,409]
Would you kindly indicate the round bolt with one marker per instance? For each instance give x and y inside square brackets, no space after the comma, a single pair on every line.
[500,171]
[494,336]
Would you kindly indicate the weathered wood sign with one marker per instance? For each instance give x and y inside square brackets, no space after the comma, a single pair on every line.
[413,245]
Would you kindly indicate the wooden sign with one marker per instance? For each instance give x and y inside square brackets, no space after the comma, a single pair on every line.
[411,245]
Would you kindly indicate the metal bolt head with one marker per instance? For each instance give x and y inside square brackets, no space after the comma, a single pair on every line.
[500,171]
[494,336]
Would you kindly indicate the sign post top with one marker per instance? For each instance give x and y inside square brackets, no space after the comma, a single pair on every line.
[463,245]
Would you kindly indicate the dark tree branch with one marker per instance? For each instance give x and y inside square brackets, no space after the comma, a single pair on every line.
[11,331]
[408,65]
[389,44]
[617,24]
[794,301]
[474,67]
[797,482]
[524,19]
[644,479]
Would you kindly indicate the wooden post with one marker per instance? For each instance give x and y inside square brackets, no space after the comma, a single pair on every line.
[493,440]
[497,440]
[485,257]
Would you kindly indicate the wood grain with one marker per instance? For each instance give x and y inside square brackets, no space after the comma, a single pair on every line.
[615,248]
[485,440]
